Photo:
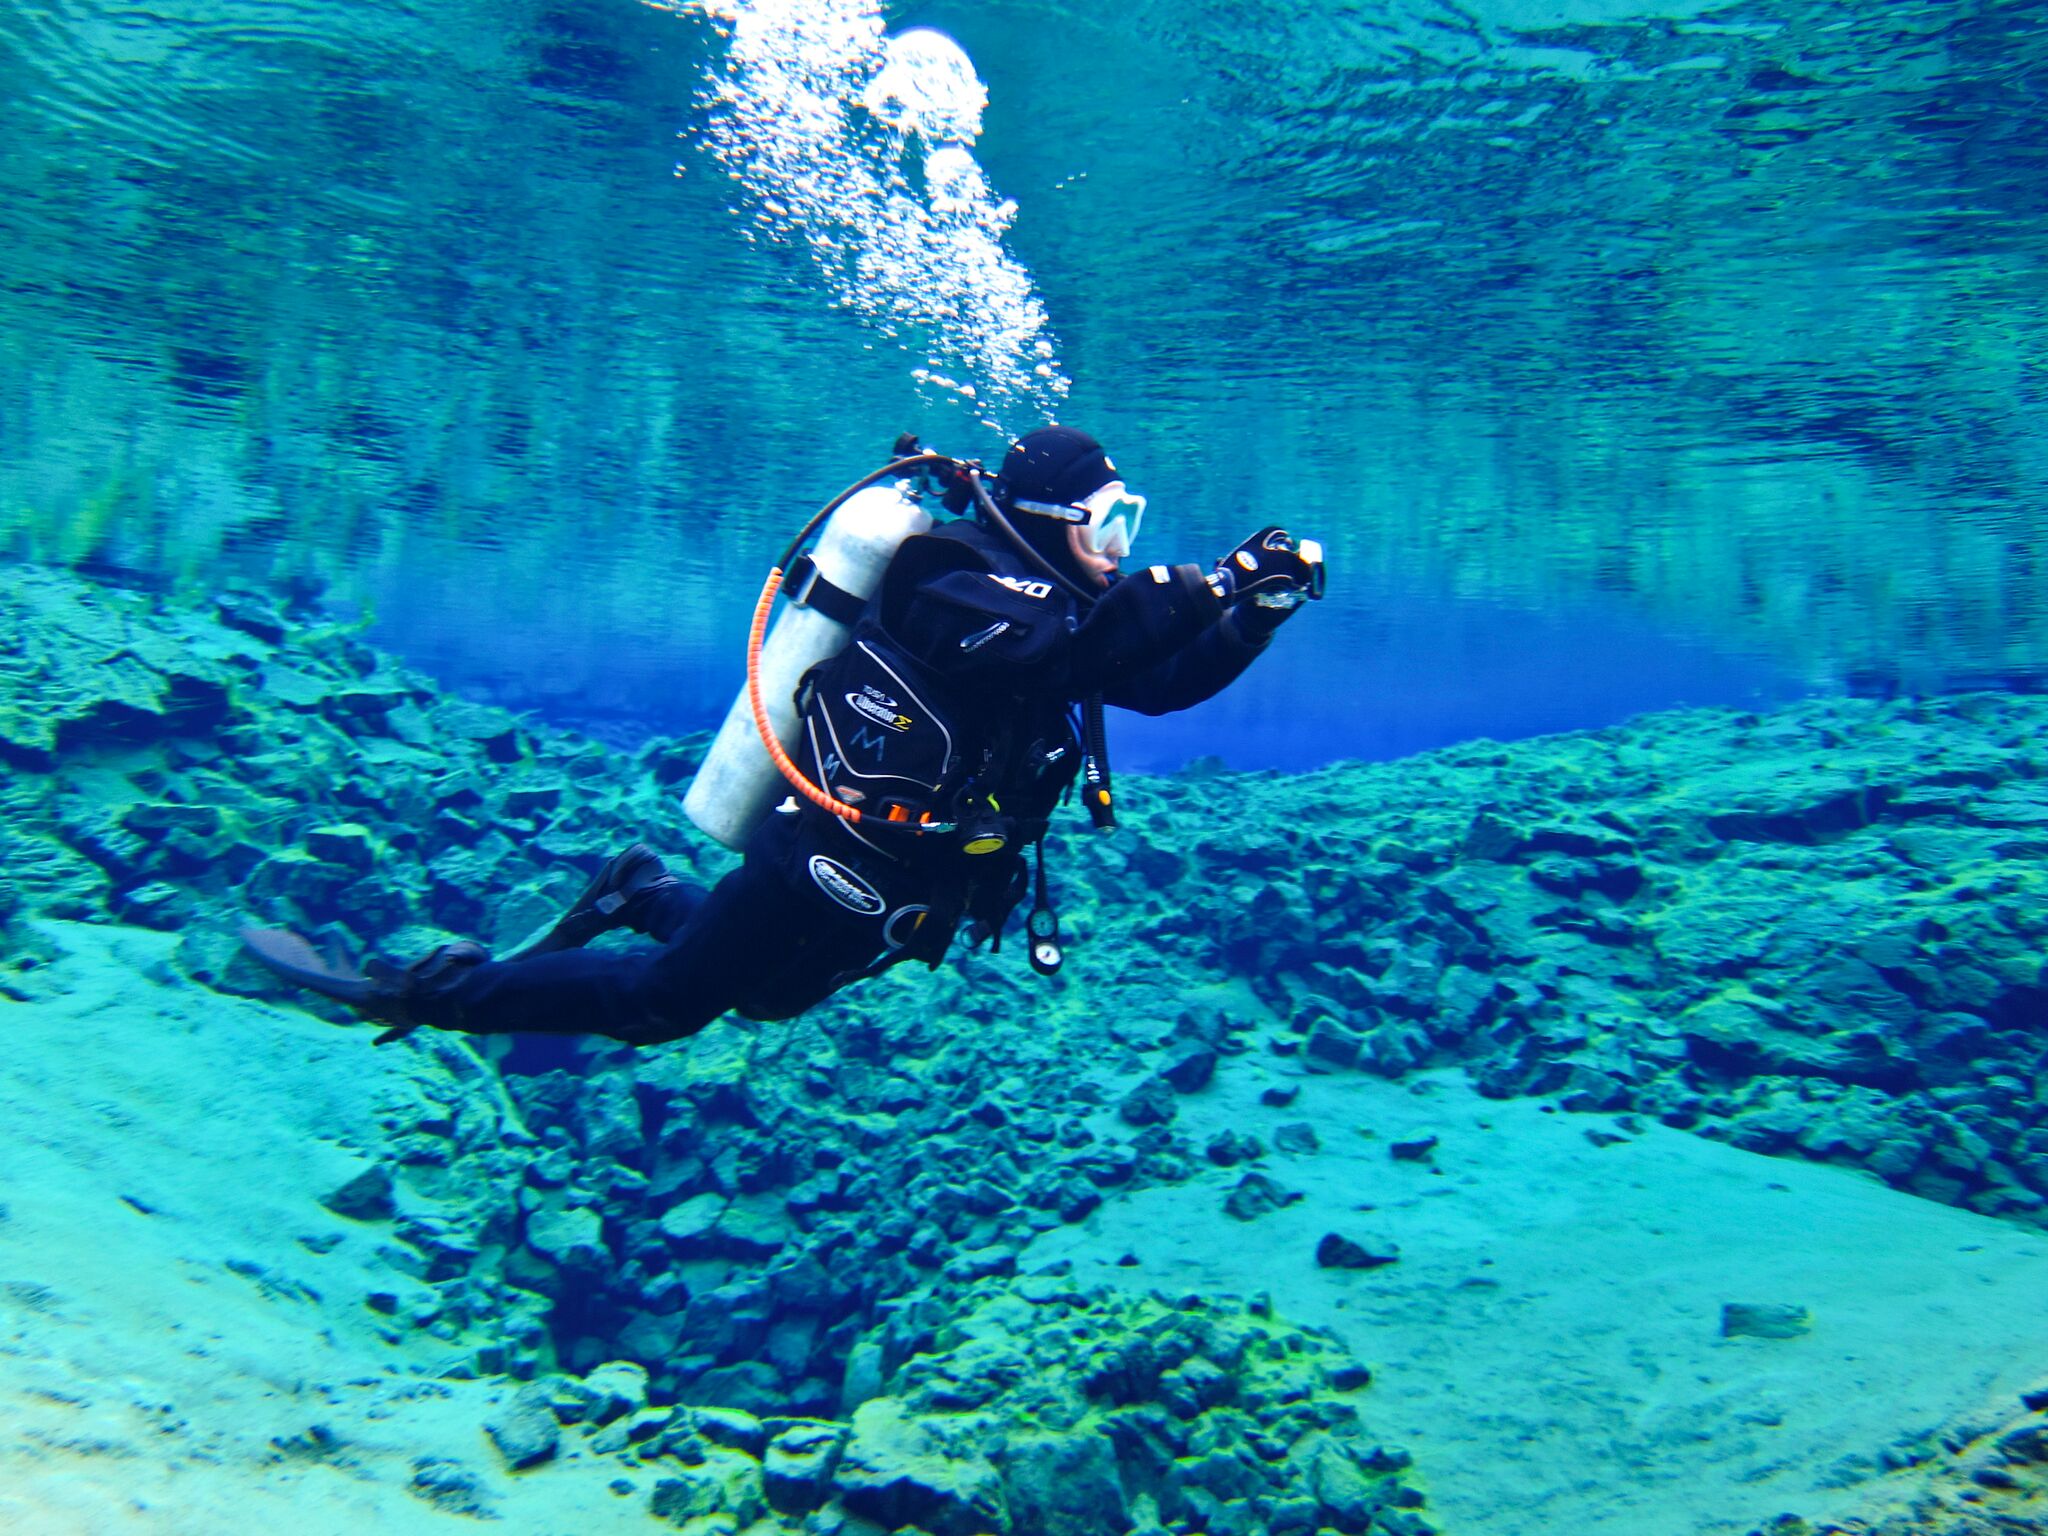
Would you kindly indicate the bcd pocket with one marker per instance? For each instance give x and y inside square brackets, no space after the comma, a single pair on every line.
[879,733]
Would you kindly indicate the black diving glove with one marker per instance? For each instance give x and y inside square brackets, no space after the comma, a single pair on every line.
[1266,578]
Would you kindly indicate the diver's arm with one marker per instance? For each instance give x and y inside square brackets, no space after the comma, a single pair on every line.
[1199,670]
[1258,585]
[1019,633]
[1140,624]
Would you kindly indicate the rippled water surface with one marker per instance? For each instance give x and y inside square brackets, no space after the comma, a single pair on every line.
[1620,353]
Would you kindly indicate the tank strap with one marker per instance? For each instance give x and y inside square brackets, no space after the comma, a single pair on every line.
[807,587]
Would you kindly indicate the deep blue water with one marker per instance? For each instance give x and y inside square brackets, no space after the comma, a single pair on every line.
[1623,354]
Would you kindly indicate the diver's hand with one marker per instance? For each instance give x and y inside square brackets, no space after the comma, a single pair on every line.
[1266,578]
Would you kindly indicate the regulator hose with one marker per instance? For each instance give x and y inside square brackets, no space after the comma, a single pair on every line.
[986,504]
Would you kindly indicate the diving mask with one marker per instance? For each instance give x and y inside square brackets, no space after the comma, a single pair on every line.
[1112,515]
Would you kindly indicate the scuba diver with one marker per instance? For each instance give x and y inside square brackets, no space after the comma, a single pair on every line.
[949,683]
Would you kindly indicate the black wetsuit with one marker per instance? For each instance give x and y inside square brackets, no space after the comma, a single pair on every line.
[785,930]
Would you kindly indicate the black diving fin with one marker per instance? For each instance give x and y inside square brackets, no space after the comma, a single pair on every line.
[295,960]
[385,994]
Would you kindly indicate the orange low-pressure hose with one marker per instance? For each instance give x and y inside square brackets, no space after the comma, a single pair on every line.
[780,758]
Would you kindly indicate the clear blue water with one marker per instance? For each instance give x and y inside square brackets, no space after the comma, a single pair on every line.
[1623,354]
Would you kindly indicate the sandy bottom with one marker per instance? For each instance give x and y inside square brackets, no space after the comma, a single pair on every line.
[1548,1346]
[185,1345]
[173,1357]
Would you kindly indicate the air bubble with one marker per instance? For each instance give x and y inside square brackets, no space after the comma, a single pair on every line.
[813,111]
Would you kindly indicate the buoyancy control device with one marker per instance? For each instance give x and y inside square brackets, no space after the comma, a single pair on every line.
[750,768]
[864,525]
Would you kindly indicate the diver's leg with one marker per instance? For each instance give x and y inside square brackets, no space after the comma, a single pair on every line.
[750,938]
[662,912]
[753,945]
[563,992]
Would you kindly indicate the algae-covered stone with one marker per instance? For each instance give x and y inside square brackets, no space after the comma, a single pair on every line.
[1347,1495]
[1255,1195]
[572,1237]
[1764,1320]
[732,1428]
[797,1470]
[614,1389]
[712,1076]
[689,1224]
[1150,1103]
[524,1429]
[1064,1484]
[900,1470]
[724,1483]
[753,1227]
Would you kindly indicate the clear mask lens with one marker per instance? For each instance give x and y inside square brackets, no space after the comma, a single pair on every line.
[1113,518]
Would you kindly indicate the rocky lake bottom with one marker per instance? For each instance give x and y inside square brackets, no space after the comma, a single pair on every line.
[1633,1133]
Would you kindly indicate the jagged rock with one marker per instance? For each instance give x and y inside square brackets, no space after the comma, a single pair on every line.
[632,1429]
[449,1485]
[1063,1484]
[525,1429]
[900,1470]
[1255,1195]
[1336,1251]
[689,1224]
[729,1427]
[607,1116]
[752,1227]
[365,1197]
[1333,1042]
[1189,1071]
[2029,1442]
[753,1386]
[713,1076]
[1195,1386]
[612,1390]
[570,1237]
[1348,1497]
[1809,806]
[345,844]
[797,1469]
[865,1375]
[1150,1103]
[724,1483]
[980,1263]
[1229,1148]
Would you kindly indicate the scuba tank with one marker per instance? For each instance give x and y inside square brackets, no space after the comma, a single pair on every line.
[827,589]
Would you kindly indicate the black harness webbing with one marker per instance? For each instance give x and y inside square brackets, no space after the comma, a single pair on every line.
[807,587]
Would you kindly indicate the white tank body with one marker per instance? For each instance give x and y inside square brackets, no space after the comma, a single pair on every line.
[737,783]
